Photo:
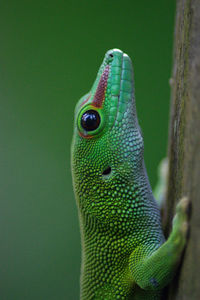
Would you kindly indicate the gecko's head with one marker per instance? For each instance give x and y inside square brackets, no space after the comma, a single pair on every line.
[107,145]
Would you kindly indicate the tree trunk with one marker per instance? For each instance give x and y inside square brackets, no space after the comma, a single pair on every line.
[184,143]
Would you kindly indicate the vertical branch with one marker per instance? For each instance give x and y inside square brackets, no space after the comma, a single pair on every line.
[184,142]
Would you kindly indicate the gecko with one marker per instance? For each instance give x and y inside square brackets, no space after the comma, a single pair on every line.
[124,252]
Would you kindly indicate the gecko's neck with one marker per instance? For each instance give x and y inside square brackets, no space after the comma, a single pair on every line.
[123,221]
[108,243]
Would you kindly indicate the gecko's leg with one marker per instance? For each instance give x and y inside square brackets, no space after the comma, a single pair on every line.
[153,271]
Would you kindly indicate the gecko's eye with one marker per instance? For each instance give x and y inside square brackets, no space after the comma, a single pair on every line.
[90,120]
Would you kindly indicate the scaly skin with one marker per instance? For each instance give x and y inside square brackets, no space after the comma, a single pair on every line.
[124,253]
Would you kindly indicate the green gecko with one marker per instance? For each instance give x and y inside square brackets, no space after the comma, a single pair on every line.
[124,252]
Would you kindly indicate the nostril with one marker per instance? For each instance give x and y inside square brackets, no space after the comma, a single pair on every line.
[111,55]
[107,171]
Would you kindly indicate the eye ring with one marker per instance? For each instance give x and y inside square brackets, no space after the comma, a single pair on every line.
[91,121]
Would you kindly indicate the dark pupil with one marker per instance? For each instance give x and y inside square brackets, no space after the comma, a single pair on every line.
[90,120]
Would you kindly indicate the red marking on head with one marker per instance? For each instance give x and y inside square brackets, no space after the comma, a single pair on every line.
[101,88]
[85,101]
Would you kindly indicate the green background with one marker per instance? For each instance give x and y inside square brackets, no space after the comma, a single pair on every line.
[50,52]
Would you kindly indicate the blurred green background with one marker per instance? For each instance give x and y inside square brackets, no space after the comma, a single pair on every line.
[49,56]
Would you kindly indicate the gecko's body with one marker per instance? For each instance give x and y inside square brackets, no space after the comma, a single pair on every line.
[124,253]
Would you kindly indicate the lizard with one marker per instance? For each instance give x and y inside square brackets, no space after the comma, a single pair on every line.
[124,251]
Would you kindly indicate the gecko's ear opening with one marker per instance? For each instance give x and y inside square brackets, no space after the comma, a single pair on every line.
[107,171]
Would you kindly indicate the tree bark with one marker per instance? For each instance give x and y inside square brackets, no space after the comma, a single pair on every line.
[184,143]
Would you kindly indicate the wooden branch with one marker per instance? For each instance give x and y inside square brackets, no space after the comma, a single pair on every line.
[184,143]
